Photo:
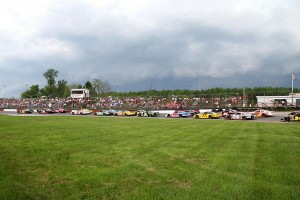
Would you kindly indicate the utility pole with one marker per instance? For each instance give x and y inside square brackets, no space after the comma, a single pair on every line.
[293,78]
[244,94]
[4,92]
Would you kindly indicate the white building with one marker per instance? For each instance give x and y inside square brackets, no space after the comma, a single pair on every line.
[269,101]
[80,93]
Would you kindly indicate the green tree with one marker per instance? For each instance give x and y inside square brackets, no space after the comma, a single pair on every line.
[32,92]
[50,75]
[101,87]
[62,88]
[88,85]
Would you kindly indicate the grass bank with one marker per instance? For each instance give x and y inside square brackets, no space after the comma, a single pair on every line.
[119,158]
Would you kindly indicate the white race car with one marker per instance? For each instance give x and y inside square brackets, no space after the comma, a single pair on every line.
[263,113]
[144,113]
[81,112]
[105,112]
[240,116]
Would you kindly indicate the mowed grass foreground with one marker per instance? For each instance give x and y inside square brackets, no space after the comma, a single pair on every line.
[147,158]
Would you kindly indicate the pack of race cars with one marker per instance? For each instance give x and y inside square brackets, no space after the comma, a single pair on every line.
[196,114]
[226,114]
[42,111]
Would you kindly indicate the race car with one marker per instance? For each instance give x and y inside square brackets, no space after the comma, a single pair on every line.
[217,110]
[126,113]
[60,110]
[99,113]
[105,112]
[240,116]
[130,113]
[193,112]
[46,111]
[120,113]
[208,115]
[144,113]
[263,113]
[25,111]
[225,113]
[179,114]
[293,116]
[81,112]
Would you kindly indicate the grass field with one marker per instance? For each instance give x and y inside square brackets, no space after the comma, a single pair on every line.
[78,157]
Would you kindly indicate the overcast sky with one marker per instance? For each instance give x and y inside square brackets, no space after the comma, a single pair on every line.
[150,44]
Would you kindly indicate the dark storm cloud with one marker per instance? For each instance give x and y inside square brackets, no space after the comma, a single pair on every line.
[138,44]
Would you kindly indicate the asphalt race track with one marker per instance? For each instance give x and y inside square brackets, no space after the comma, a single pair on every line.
[276,118]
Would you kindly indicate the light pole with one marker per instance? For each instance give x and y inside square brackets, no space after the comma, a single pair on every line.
[293,78]
[244,94]
[4,91]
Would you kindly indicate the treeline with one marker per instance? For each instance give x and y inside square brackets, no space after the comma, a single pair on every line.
[100,88]
[62,89]
[212,92]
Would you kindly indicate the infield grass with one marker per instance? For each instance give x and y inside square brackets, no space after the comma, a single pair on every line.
[147,158]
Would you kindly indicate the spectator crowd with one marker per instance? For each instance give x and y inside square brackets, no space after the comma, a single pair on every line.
[153,103]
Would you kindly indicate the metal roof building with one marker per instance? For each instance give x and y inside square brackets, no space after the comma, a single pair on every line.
[270,101]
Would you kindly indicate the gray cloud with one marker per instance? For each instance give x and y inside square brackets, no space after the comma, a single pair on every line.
[133,43]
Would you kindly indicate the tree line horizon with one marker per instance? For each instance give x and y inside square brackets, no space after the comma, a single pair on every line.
[99,88]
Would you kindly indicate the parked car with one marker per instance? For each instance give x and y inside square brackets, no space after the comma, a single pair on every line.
[263,113]
[25,111]
[144,113]
[81,112]
[208,115]
[293,116]
[179,114]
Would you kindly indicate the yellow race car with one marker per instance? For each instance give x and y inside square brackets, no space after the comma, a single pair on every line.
[293,116]
[130,113]
[208,115]
[126,113]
